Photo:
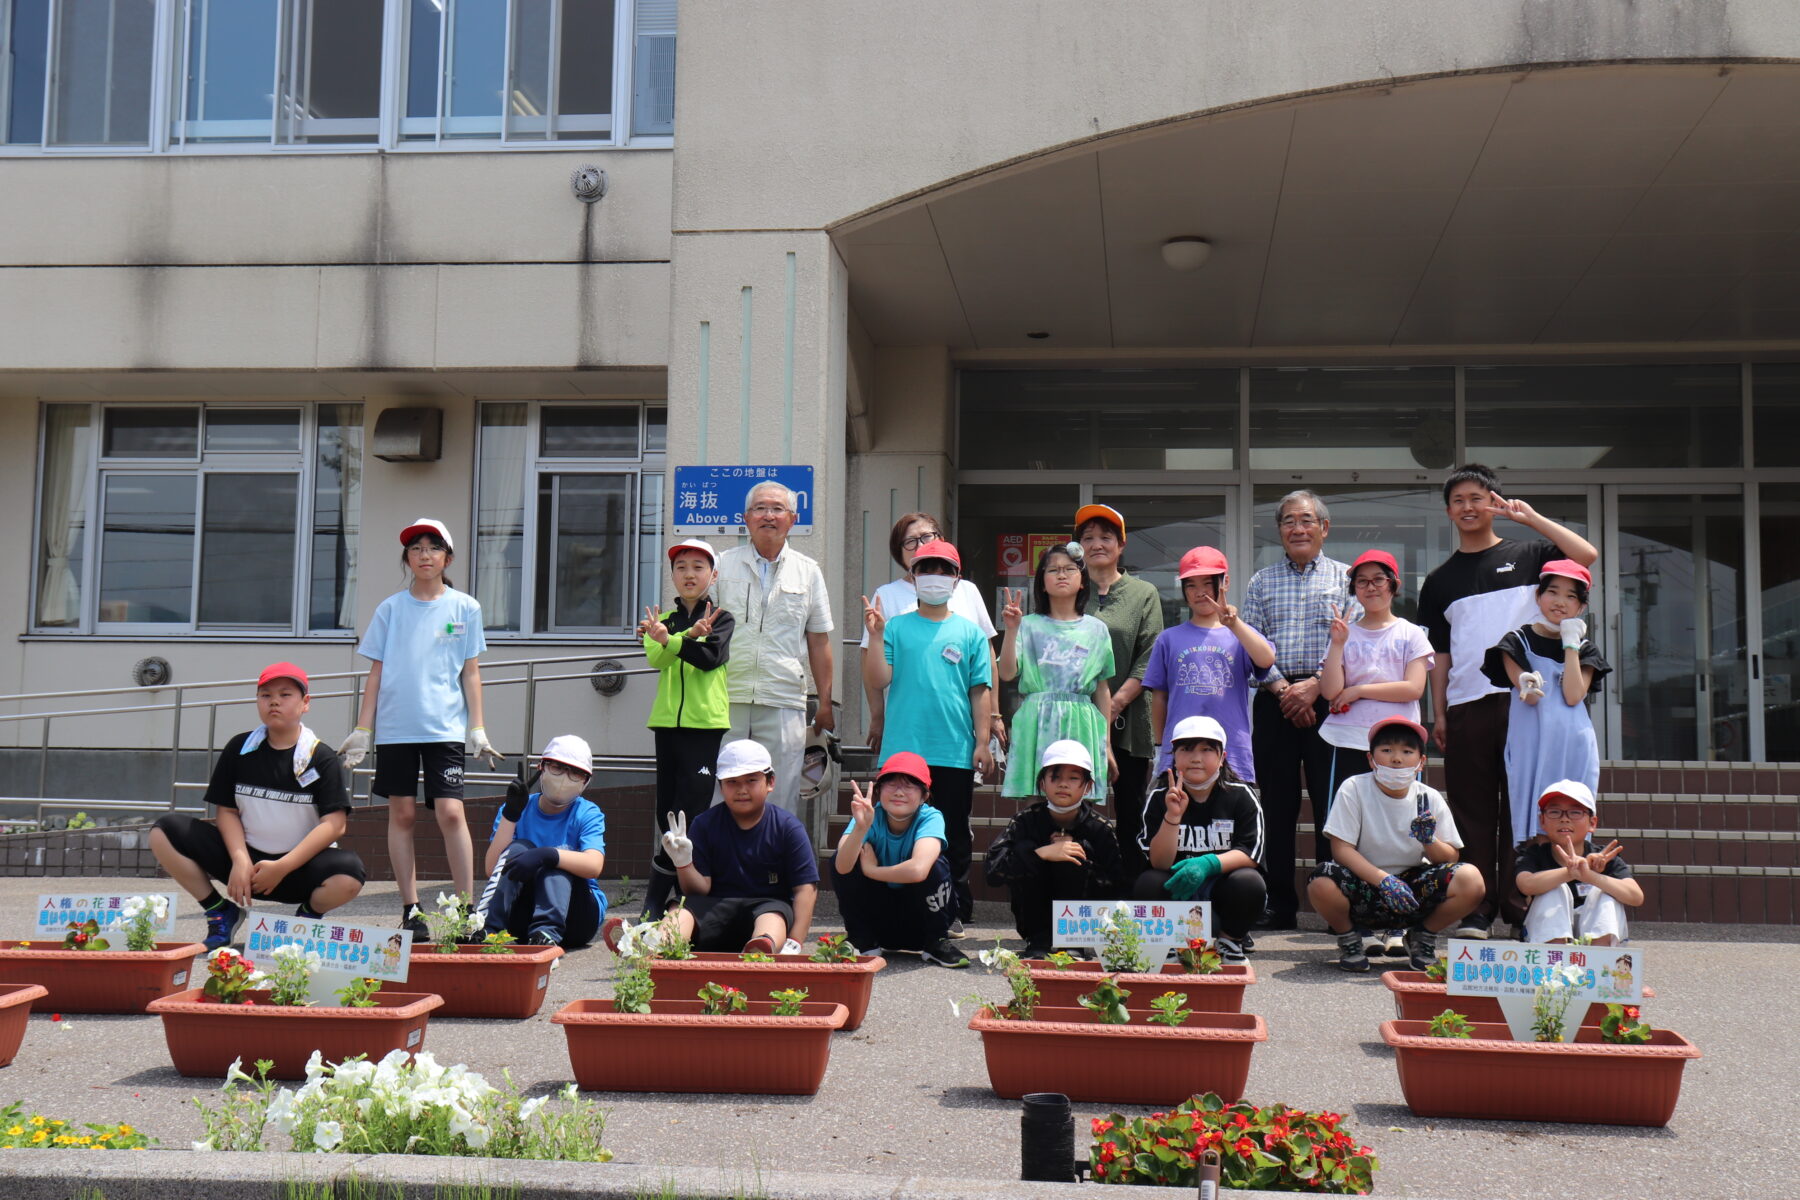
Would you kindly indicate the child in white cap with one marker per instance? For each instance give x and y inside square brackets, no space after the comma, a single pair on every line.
[1573,888]
[422,701]
[1057,849]
[546,854]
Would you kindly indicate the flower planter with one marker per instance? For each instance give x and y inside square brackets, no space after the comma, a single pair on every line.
[846,983]
[1222,992]
[1491,1077]
[475,983]
[15,1013]
[99,981]
[675,1048]
[204,1035]
[1417,998]
[1069,1051]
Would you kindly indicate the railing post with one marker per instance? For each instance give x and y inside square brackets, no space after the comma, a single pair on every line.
[175,755]
[530,708]
[44,761]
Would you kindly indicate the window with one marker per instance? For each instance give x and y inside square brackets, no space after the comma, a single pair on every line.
[569,515]
[385,74]
[198,512]
[1620,417]
[1372,419]
[1152,420]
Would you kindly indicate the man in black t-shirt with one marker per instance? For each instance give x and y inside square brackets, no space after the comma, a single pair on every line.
[281,803]
[1473,599]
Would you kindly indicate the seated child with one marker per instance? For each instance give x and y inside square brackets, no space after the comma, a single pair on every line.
[546,853]
[892,879]
[1573,889]
[748,870]
[1203,835]
[1058,849]
[1394,844]
[282,803]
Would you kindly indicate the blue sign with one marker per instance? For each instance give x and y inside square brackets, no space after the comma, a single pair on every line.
[711,499]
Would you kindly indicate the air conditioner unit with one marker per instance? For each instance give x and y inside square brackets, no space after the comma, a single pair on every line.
[409,435]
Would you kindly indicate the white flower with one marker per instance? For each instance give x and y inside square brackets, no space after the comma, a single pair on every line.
[568,1092]
[529,1109]
[281,1111]
[327,1135]
[235,1073]
[206,1145]
[451,905]
[159,905]
[478,1137]
[132,907]
[315,1065]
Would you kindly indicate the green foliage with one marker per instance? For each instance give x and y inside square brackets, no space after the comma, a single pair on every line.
[717,1000]
[1550,1006]
[1122,943]
[84,935]
[1170,1009]
[82,821]
[141,915]
[229,975]
[38,1132]
[1060,960]
[1621,1027]
[1018,977]
[634,989]
[1274,1148]
[1107,1001]
[756,956]
[290,975]
[1436,971]
[788,1001]
[452,924]
[1200,958]
[1451,1024]
[499,942]
[358,993]
[833,948]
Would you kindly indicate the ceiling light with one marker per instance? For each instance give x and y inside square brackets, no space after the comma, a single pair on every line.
[1186,253]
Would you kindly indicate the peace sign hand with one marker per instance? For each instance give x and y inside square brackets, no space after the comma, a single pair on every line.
[1339,629]
[1013,610]
[873,620]
[1175,799]
[1512,510]
[653,628]
[862,807]
[703,626]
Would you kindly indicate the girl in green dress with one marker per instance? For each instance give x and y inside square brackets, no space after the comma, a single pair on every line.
[1062,659]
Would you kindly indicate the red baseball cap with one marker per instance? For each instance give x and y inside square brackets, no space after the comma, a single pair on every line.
[284,670]
[938,549]
[1568,568]
[906,763]
[1382,724]
[1202,560]
[1376,556]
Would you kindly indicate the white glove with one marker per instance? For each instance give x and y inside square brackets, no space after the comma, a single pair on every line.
[792,947]
[1574,630]
[676,843]
[1531,683]
[355,748]
[480,747]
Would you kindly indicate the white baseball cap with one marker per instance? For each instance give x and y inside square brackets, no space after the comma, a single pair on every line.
[1189,728]
[570,751]
[1570,789]
[743,757]
[1067,752]
[431,526]
[694,544]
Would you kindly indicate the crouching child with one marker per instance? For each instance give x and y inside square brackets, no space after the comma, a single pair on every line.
[546,853]
[893,881]
[1572,887]
[1394,848]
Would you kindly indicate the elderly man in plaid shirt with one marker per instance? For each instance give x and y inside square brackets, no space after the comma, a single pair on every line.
[1291,604]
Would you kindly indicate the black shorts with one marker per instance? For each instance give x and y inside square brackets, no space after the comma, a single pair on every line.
[397,766]
[727,922]
[202,842]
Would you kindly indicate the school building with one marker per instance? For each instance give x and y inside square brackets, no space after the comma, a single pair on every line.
[278,276]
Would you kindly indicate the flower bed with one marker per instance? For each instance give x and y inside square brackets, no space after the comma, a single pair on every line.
[99,981]
[1268,1148]
[1420,998]
[1222,991]
[847,983]
[677,1047]
[1068,1050]
[205,1035]
[482,983]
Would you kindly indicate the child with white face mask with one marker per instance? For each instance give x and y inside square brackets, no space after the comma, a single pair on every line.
[546,854]
[1394,846]
[1057,849]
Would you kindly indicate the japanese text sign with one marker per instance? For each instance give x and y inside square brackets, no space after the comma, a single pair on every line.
[711,499]
[1162,922]
[369,951]
[55,913]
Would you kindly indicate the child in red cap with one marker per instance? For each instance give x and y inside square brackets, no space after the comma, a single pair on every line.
[1552,669]
[892,878]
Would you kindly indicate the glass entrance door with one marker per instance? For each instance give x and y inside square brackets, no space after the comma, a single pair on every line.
[1674,600]
[1162,524]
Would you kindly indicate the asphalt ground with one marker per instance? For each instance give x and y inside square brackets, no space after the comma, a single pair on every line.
[907,1094]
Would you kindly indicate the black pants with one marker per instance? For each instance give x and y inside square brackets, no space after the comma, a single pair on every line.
[1128,810]
[909,917]
[1032,896]
[1283,751]
[202,842]
[1237,897]
[725,923]
[684,783]
[1475,789]
[953,794]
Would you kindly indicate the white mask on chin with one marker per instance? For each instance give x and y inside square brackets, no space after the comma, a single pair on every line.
[1062,810]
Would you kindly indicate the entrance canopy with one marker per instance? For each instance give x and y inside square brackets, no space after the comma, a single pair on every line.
[1603,207]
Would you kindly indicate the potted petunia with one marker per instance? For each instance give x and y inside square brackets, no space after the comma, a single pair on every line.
[235,1016]
[477,975]
[1418,995]
[831,972]
[85,973]
[1619,1071]
[725,1040]
[1198,973]
[1101,1050]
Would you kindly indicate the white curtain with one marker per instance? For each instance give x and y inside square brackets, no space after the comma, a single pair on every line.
[350,502]
[67,452]
[500,514]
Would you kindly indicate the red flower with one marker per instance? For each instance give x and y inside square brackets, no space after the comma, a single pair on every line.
[1632,1012]
[1108,1152]
[1196,943]
[1100,1126]
[246,1000]
[56,1016]
[1240,1121]
[1244,1147]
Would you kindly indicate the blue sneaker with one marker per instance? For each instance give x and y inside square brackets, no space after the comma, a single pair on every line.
[222,923]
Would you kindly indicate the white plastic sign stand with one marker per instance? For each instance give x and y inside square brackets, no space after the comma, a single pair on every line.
[1512,973]
[1163,922]
[347,951]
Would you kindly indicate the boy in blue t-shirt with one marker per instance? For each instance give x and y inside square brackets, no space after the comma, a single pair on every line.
[546,854]
[893,881]
[937,670]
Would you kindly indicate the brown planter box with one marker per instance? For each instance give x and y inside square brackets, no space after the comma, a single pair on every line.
[1222,992]
[100,981]
[474,983]
[849,983]
[1490,1077]
[1069,1051]
[204,1035]
[674,1048]
[15,1014]
[1417,998]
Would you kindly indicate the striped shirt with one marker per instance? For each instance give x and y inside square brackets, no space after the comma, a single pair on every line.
[1290,604]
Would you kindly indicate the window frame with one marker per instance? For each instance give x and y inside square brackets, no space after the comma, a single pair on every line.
[646,463]
[301,463]
[168,91]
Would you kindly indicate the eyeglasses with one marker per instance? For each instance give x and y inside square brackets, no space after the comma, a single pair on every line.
[1304,521]
[1370,581]
[1060,572]
[913,543]
[551,767]
[767,510]
[1565,814]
